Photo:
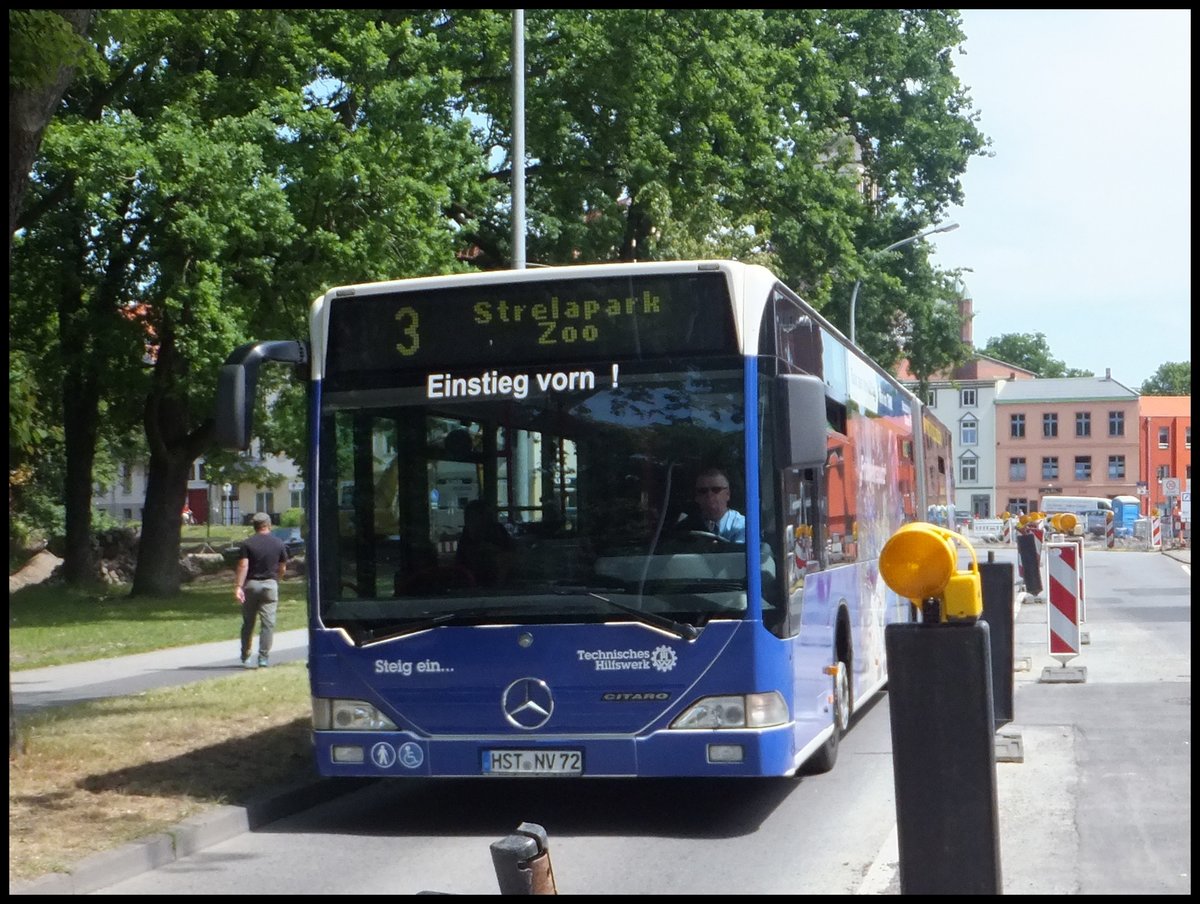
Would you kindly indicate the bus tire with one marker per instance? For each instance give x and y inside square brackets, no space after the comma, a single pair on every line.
[825,758]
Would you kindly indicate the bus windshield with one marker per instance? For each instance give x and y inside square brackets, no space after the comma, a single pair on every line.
[529,506]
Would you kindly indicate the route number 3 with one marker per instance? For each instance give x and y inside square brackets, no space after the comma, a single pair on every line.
[410,323]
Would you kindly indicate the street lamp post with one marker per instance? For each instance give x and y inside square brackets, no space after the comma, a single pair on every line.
[912,238]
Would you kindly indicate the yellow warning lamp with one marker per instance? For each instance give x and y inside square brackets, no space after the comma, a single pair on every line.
[920,562]
[1005,515]
[1064,522]
[1108,516]
[1023,520]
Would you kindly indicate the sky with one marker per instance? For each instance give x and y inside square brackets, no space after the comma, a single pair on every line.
[1079,226]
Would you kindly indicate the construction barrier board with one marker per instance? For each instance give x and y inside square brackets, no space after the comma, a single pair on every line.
[1062,613]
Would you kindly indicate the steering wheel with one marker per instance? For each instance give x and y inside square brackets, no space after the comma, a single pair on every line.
[707,535]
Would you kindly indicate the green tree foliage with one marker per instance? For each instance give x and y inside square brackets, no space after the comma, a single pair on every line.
[749,133]
[227,166]
[1032,352]
[1174,378]
[46,48]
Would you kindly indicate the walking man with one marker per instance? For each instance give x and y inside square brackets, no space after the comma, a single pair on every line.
[262,559]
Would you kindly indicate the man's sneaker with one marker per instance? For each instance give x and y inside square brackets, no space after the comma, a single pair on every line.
[262,661]
[246,664]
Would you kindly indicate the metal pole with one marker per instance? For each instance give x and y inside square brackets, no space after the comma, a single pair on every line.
[518,143]
[949,227]
[853,302]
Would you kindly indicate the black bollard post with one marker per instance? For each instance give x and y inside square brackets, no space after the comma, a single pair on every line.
[943,758]
[522,862]
[996,579]
[1031,566]
[940,702]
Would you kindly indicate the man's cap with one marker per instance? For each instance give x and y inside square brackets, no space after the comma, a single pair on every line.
[260,518]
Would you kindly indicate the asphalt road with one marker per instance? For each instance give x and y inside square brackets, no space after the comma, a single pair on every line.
[1093,777]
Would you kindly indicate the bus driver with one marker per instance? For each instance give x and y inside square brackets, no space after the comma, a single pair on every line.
[714,515]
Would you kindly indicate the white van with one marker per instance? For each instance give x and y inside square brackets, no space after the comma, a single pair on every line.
[1090,511]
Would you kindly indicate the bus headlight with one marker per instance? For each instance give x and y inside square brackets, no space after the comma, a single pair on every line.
[740,711]
[348,715]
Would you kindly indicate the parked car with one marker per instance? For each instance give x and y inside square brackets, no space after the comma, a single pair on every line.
[289,535]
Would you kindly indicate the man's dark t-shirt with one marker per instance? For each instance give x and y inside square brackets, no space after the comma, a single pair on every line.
[265,552]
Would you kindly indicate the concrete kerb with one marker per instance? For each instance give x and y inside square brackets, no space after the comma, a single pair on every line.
[190,836]
[1182,554]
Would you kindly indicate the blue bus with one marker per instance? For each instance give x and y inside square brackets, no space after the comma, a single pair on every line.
[504,577]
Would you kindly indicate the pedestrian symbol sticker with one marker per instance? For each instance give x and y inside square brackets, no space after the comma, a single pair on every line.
[383,755]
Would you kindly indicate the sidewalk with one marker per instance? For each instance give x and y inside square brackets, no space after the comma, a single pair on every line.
[53,685]
[38,688]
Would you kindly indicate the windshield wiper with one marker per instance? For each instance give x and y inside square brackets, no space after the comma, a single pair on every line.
[694,585]
[679,629]
[375,635]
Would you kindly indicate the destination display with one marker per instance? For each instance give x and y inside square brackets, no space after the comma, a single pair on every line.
[531,322]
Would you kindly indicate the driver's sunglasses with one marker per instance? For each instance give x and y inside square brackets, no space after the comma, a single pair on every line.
[702,490]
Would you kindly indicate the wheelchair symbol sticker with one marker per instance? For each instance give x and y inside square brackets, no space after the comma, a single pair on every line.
[411,755]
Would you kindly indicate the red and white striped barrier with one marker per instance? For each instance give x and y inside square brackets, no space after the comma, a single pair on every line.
[1156,533]
[1062,614]
[1078,541]
[1006,535]
[1038,529]
[1110,535]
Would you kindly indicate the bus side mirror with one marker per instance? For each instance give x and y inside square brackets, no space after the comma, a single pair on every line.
[803,425]
[236,382]
[233,415]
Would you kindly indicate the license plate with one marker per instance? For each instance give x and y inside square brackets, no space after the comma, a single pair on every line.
[532,762]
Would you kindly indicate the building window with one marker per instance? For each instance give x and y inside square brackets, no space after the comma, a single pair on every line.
[1083,423]
[1018,506]
[1083,467]
[126,478]
[1116,423]
[1016,426]
[931,398]
[1116,467]
[297,499]
[981,506]
[1016,469]
[968,432]
[1187,433]
[264,501]
[1164,437]
[1163,471]
[1049,425]
[968,469]
[127,514]
[966,398]
[1050,468]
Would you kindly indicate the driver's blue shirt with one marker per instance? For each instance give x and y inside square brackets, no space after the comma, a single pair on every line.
[732,526]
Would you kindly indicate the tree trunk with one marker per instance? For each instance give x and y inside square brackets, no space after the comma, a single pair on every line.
[80,424]
[173,448]
[157,572]
[29,112]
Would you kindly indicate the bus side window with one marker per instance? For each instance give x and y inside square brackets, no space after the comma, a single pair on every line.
[801,549]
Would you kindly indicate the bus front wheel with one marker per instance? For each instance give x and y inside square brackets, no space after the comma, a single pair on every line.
[825,758]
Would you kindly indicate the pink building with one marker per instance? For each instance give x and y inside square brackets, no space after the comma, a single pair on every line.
[1076,436]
